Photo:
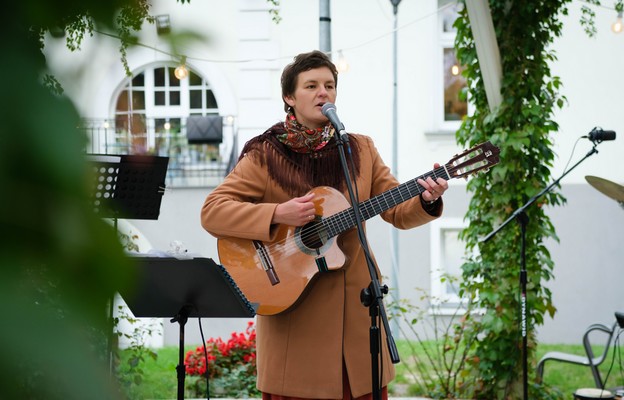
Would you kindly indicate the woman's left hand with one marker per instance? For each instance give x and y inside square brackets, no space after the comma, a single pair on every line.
[434,189]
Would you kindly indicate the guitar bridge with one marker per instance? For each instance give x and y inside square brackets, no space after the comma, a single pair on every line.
[266,263]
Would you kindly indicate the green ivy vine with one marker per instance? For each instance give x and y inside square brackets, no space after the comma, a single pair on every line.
[522,126]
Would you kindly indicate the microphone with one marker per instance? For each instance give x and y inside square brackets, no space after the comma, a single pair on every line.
[598,135]
[329,111]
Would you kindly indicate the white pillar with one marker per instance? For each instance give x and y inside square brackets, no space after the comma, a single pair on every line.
[487,49]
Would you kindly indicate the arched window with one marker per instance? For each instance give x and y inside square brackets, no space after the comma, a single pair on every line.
[156,113]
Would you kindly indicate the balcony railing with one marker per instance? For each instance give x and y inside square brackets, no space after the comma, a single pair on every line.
[190,165]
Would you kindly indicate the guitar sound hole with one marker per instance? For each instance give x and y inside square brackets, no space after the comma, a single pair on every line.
[311,236]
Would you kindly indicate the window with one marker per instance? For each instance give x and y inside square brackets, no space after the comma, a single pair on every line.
[166,87]
[130,120]
[157,93]
[202,100]
[150,114]
[447,257]
[451,106]
[454,107]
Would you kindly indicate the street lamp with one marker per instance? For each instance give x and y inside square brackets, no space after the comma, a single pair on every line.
[395,162]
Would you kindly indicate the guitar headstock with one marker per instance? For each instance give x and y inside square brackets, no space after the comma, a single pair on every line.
[480,157]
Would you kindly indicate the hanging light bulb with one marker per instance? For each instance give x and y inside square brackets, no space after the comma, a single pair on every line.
[616,27]
[455,70]
[342,65]
[181,71]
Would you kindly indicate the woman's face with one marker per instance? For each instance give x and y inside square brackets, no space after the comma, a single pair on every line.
[315,87]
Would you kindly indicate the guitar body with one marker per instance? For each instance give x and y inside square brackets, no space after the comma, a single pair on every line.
[292,256]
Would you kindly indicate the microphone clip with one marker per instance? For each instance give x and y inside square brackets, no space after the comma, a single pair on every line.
[598,135]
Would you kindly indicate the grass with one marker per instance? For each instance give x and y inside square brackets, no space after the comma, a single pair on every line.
[160,379]
[159,376]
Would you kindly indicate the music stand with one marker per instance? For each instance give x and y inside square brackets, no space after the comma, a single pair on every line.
[128,186]
[198,287]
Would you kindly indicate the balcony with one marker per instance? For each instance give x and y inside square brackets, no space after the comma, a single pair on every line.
[193,162]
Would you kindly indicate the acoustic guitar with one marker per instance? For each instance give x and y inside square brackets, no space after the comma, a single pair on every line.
[276,275]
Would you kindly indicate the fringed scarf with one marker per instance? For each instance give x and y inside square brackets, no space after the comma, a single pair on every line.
[297,172]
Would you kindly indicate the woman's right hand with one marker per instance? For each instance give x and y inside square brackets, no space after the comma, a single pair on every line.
[295,212]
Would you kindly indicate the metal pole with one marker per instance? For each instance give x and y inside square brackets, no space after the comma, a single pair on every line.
[395,162]
[324,27]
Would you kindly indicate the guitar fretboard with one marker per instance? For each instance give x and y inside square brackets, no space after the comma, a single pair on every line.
[344,220]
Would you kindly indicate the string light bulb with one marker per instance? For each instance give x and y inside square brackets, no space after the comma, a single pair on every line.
[342,65]
[616,27]
[181,71]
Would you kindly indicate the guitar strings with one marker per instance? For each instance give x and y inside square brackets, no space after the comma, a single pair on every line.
[346,218]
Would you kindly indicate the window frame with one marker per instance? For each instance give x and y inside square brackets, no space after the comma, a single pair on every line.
[442,303]
[163,130]
[446,40]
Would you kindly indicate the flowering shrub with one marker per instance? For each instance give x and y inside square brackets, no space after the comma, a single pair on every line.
[231,365]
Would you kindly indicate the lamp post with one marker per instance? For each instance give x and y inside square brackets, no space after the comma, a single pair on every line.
[395,163]
[324,27]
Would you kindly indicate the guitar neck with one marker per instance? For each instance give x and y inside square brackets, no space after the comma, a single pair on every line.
[345,220]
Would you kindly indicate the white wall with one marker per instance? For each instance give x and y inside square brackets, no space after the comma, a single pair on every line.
[591,72]
[589,268]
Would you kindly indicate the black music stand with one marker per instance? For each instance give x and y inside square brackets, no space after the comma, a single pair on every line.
[198,287]
[128,186]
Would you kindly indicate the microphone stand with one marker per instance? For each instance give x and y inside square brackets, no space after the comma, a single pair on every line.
[523,220]
[371,296]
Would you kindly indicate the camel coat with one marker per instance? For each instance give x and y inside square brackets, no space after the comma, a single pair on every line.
[300,352]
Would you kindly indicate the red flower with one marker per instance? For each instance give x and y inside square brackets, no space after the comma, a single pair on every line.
[239,350]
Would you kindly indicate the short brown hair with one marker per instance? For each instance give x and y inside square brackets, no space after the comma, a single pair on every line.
[304,62]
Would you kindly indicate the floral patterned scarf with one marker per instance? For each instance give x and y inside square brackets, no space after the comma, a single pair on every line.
[301,139]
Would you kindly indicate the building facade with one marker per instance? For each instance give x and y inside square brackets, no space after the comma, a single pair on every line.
[233,81]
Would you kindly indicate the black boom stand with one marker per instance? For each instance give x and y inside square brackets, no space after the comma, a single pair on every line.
[523,220]
[183,289]
[372,296]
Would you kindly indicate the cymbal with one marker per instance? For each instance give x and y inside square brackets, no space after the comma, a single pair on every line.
[611,189]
